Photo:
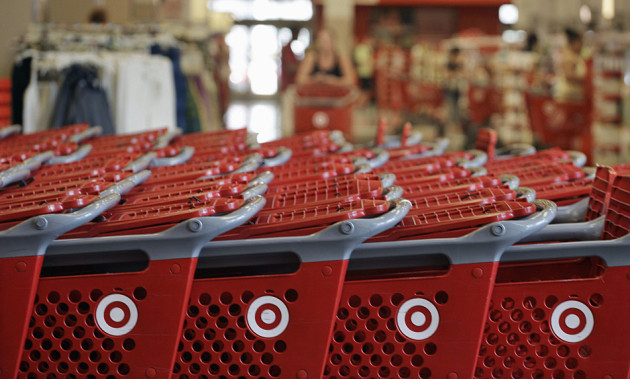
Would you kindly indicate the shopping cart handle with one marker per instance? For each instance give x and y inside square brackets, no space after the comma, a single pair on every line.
[79,154]
[572,213]
[251,140]
[479,159]
[9,131]
[393,192]
[577,231]
[166,138]
[578,158]
[483,245]
[337,137]
[264,177]
[395,141]
[362,168]
[12,175]
[33,235]
[589,172]
[283,155]
[515,150]
[512,181]
[184,155]
[142,163]
[257,189]
[478,171]
[36,161]
[387,179]
[529,194]
[127,184]
[88,133]
[251,163]
[381,157]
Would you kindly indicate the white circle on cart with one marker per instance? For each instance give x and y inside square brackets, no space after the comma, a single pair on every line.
[260,326]
[117,314]
[124,309]
[320,120]
[572,321]
[267,316]
[418,319]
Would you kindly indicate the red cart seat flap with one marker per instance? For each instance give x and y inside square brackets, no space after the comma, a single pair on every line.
[565,190]
[121,220]
[406,179]
[457,218]
[405,151]
[23,211]
[192,197]
[438,162]
[277,223]
[450,200]
[207,188]
[315,185]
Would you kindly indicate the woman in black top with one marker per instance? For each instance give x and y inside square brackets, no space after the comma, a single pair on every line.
[325,64]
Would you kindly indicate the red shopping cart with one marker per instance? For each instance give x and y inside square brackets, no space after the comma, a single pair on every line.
[324,106]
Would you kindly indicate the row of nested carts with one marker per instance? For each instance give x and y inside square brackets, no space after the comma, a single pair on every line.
[209,255]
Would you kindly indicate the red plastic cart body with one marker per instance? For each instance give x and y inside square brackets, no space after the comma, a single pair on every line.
[319,106]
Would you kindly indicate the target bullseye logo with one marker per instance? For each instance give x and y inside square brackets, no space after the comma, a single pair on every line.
[320,120]
[116,315]
[418,319]
[572,321]
[268,316]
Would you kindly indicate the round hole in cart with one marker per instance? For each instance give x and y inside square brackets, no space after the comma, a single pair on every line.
[74,356]
[275,371]
[62,309]
[197,346]
[492,339]
[74,296]
[259,346]
[482,350]
[66,344]
[194,368]
[344,370]
[404,372]
[139,293]
[380,336]
[87,344]
[129,344]
[83,308]
[500,350]
[530,362]
[355,359]
[384,312]
[376,360]
[544,326]
[399,338]
[395,360]
[497,373]
[229,334]
[347,348]
[417,360]
[83,368]
[397,298]
[504,327]
[205,357]
[371,324]
[267,358]
[571,363]
[363,313]
[550,363]
[376,300]
[226,298]
[354,301]
[550,301]
[335,359]
[107,344]
[246,358]
[554,341]
[214,310]
[495,315]
[214,369]
[364,371]
[46,344]
[234,310]
[95,294]
[585,351]
[38,333]
[425,373]
[367,348]
[55,355]
[489,361]
[35,355]
[557,374]
[89,320]
[388,348]
[222,322]
[351,325]
[193,311]
[280,346]
[533,338]
[226,358]
[291,295]
[53,297]
[516,315]
[24,366]
[391,324]
[339,337]
[254,370]
[41,309]
[240,322]
[342,313]
[209,334]
[529,302]
[513,338]
[542,350]
[596,300]
[186,357]
[63,367]
[563,351]
[507,303]
[441,297]
[521,350]
[238,346]
[538,374]
[538,314]
[205,299]
[247,296]
[579,374]
[71,320]
[58,332]
[217,346]
[94,356]
[525,327]
[102,369]
[249,335]
[359,336]
[518,374]
[189,334]
[383,372]
[478,372]
[201,323]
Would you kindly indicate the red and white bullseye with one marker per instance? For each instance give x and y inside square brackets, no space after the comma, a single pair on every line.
[572,321]
[116,315]
[268,316]
[418,319]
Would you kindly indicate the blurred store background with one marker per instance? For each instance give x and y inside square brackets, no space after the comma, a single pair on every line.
[449,67]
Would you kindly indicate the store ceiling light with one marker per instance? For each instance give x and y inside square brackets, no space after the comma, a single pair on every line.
[508,14]
[608,9]
[585,14]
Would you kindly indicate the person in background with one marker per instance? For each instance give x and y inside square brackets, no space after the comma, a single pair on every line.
[290,62]
[324,64]
[452,92]
[572,69]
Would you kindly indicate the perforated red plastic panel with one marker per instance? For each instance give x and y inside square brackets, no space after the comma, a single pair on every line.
[67,336]
[226,333]
[450,186]
[345,192]
[600,192]
[561,192]
[617,223]
[452,200]
[523,339]
[316,185]
[411,326]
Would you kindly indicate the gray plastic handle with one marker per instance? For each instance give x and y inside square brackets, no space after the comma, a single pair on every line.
[578,158]
[572,213]
[283,155]
[183,240]
[142,163]
[387,179]
[166,138]
[251,140]
[381,157]
[346,147]
[36,161]
[12,175]
[529,194]
[337,137]
[184,155]
[577,231]
[79,154]
[257,189]
[512,181]
[483,245]
[9,131]
[363,168]
[479,159]
[250,163]
[515,150]
[393,192]
[589,172]
[127,184]
[396,141]
[331,244]
[88,133]
[478,171]
[33,235]
[264,178]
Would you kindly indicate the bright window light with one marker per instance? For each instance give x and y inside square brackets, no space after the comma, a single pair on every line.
[585,14]
[508,14]
[608,9]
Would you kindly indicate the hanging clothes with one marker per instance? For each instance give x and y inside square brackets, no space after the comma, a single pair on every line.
[82,100]
[181,86]
[20,78]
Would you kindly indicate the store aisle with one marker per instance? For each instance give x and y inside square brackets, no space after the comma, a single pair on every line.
[260,116]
